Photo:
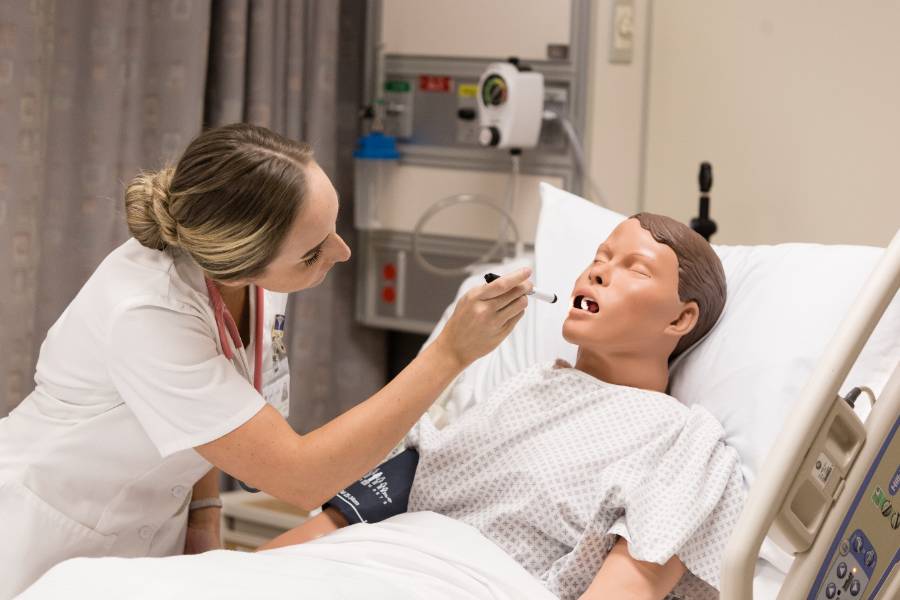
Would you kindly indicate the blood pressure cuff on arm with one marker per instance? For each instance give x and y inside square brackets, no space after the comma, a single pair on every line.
[382,493]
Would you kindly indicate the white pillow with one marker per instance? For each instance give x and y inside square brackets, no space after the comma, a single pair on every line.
[516,353]
[569,230]
[784,304]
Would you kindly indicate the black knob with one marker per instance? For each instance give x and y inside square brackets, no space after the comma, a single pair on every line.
[702,224]
[489,136]
[705,178]
[705,227]
[466,114]
[514,61]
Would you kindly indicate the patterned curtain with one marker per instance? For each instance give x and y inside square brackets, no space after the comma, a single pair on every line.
[94,90]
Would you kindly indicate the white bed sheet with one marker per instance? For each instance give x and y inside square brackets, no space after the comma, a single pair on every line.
[411,556]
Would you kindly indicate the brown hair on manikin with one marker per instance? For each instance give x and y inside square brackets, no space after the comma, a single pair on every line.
[701,278]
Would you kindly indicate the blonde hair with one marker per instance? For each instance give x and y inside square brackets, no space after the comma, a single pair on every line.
[228,203]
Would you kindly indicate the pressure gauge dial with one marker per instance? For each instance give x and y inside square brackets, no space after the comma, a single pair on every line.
[494,92]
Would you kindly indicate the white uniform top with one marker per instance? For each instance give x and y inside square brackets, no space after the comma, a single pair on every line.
[98,460]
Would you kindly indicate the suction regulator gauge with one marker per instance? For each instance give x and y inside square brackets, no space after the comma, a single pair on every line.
[495,91]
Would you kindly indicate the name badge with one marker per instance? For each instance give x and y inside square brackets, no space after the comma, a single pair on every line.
[277,388]
[277,392]
[279,350]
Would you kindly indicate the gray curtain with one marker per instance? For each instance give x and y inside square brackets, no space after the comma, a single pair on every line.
[91,91]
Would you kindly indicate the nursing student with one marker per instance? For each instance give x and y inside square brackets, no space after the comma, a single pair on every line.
[170,364]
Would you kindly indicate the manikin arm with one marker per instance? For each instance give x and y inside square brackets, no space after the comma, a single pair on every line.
[625,578]
[325,522]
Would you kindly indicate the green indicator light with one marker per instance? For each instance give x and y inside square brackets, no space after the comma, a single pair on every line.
[397,86]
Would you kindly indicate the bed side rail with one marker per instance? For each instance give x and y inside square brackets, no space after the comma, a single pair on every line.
[798,433]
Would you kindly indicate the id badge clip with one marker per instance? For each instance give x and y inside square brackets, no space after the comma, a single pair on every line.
[279,350]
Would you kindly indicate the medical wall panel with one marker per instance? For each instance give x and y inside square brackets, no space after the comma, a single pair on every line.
[476,28]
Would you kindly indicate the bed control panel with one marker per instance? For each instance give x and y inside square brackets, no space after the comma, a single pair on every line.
[821,479]
[856,554]
[863,562]
[852,569]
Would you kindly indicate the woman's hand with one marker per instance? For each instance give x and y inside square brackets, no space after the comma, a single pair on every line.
[307,470]
[204,531]
[485,315]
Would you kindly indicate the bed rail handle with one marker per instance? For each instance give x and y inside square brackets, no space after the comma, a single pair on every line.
[768,492]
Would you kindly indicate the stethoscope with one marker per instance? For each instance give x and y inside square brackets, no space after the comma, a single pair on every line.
[225,323]
[229,329]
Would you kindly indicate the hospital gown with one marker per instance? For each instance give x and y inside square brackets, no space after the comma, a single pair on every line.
[556,463]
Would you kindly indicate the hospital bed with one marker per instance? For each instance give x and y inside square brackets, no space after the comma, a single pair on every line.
[789,342]
[778,389]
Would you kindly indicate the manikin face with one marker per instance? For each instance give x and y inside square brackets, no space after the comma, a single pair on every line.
[312,245]
[626,302]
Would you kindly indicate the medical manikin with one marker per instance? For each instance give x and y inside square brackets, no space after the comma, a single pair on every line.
[591,477]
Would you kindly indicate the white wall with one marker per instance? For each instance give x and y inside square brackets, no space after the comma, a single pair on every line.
[614,115]
[796,104]
[474,28]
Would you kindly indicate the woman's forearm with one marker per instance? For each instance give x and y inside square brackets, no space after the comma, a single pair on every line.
[309,469]
[359,439]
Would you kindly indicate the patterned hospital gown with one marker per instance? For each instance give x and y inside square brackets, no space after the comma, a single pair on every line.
[556,463]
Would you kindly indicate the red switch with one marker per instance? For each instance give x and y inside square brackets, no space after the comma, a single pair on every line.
[435,83]
[390,272]
[389,295]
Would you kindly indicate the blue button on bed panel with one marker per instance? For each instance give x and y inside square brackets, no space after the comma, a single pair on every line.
[864,552]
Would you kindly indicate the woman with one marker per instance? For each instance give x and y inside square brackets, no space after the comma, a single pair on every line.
[162,366]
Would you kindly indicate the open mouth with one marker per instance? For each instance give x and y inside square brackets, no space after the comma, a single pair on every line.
[586,303]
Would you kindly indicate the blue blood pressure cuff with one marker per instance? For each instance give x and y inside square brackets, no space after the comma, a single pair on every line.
[383,492]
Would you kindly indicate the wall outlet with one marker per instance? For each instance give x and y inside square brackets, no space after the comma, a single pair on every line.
[621,38]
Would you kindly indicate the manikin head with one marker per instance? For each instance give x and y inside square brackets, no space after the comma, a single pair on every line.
[653,289]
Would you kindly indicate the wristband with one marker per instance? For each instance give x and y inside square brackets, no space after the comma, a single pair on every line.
[205,503]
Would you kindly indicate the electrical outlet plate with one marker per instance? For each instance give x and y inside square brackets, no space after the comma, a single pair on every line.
[621,38]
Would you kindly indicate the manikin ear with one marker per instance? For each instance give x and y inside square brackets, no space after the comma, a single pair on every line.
[686,321]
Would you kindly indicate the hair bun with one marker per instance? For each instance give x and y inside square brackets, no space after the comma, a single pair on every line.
[147,208]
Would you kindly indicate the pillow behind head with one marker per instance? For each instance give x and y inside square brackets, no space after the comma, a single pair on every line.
[568,232]
[784,304]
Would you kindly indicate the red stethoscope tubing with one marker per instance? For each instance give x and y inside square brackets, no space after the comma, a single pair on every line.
[258,341]
[225,323]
